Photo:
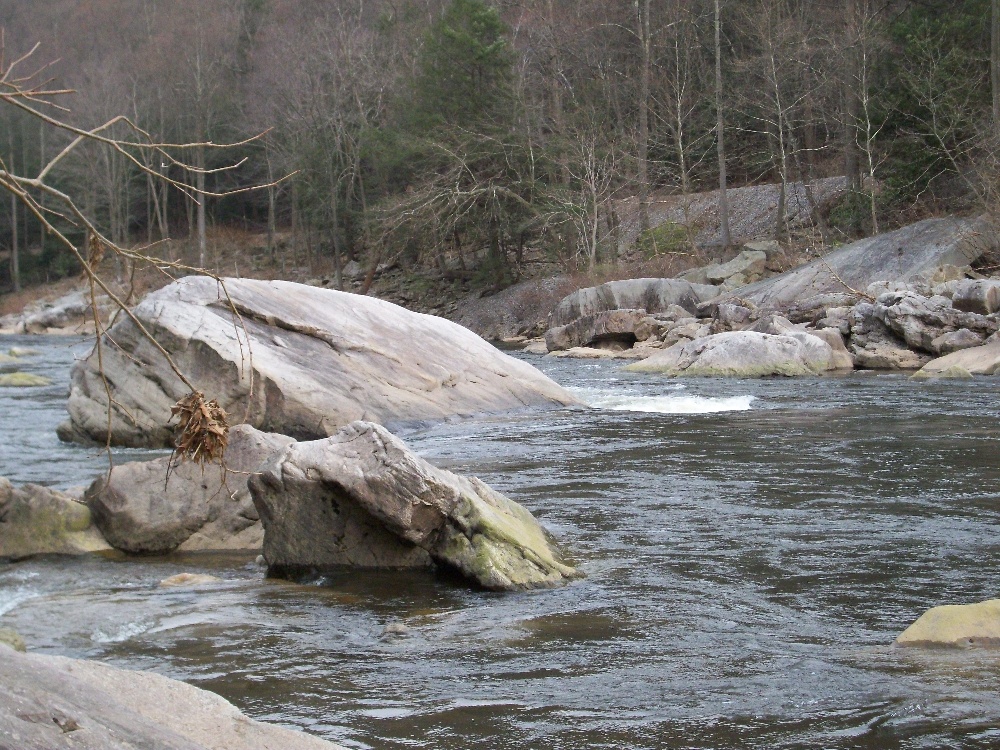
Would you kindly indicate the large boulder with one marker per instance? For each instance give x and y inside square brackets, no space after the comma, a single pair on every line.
[618,326]
[956,625]
[912,253]
[362,498]
[293,359]
[142,510]
[651,295]
[36,520]
[980,296]
[979,360]
[743,354]
[49,702]
[920,321]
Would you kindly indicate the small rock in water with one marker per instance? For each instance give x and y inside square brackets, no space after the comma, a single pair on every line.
[13,639]
[17,351]
[188,579]
[261,560]
[395,628]
[23,380]
[960,625]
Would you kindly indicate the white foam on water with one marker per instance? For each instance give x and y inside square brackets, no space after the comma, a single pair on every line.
[11,598]
[672,404]
[121,634]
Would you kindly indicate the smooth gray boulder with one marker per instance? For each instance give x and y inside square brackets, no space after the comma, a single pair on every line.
[309,361]
[912,253]
[651,295]
[49,702]
[36,520]
[980,296]
[978,360]
[140,511]
[591,330]
[362,498]
[742,354]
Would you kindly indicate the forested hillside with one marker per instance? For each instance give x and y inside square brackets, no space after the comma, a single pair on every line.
[459,133]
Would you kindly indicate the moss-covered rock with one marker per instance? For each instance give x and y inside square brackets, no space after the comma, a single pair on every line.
[22,380]
[12,639]
[37,520]
[362,498]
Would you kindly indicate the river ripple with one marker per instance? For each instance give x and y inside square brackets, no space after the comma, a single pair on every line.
[752,549]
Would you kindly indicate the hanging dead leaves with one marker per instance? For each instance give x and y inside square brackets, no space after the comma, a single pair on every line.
[202,430]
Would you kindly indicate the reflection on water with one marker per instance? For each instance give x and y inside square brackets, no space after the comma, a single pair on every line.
[747,572]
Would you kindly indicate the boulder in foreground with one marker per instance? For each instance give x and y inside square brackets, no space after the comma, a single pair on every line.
[743,354]
[309,361]
[956,625]
[36,520]
[142,511]
[978,360]
[362,498]
[51,702]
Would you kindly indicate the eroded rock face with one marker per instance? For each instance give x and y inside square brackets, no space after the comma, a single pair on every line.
[609,326]
[651,295]
[742,354]
[912,253]
[362,498]
[959,625]
[919,320]
[51,702]
[140,511]
[310,361]
[36,520]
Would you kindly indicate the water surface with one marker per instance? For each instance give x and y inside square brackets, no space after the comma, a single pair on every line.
[752,548]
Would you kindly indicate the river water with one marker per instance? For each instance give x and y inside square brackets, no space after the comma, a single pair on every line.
[752,548]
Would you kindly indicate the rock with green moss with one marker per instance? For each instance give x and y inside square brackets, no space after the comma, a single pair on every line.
[22,380]
[36,520]
[12,639]
[362,498]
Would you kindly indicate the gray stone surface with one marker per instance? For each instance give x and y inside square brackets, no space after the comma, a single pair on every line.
[36,520]
[362,498]
[590,330]
[980,296]
[49,702]
[651,295]
[309,361]
[908,254]
[742,354]
[979,360]
[919,320]
[140,510]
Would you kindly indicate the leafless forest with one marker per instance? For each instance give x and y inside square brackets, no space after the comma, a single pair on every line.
[459,133]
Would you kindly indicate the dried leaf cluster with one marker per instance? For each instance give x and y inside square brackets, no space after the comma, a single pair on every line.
[202,430]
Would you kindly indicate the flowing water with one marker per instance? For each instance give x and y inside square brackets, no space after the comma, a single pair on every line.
[752,548]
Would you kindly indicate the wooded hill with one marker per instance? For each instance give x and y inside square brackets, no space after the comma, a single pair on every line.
[460,132]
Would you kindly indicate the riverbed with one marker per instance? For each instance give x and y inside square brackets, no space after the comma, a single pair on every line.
[752,548]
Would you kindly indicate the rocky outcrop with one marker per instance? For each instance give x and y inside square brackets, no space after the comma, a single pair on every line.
[651,295]
[922,321]
[297,360]
[742,354]
[361,498]
[980,296]
[142,510]
[51,702]
[36,520]
[960,625]
[979,360]
[745,268]
[916,252]
[612,326]
[69,314]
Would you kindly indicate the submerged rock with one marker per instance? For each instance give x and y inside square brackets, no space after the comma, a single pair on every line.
[362,498]
[51,702]
[309,361]
[184,580]
[140,510]
[23,380]
[956,625]
[742,354]
[36,520]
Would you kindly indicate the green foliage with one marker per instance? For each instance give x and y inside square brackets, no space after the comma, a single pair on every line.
[465,69]
[668,237]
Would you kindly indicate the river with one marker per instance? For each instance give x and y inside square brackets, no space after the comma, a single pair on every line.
[752,548]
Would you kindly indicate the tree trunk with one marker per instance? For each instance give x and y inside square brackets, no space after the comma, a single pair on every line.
[200,210]
[727,239]
[995,61]
[852,164]
[15,258]
[643,22]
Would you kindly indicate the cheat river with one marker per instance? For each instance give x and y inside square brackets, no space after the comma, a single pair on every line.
[752,548]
